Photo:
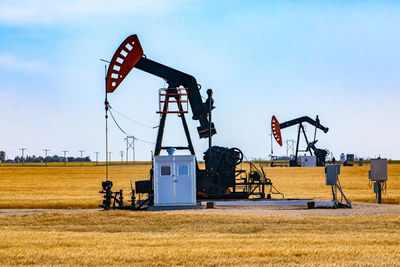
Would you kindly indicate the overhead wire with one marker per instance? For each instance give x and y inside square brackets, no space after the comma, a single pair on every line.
[119,127]
[132,120]
[141,140]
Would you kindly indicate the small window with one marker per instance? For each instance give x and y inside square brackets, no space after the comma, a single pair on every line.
[183,170]
[165,170]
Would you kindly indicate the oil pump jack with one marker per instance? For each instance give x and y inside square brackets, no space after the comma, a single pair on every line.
[220,179]
[320,154]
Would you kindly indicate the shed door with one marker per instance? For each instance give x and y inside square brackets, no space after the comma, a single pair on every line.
[184,191]
[166,188]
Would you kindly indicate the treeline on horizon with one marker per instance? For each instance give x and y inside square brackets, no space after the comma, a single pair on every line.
[37,159]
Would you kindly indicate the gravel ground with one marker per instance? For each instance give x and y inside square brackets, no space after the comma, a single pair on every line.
[359,209]
[26,212]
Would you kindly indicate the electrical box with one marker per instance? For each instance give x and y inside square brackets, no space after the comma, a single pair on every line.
[174,181]
[349,160]
[378,170]
[342,158]
[308,161]
[331,174]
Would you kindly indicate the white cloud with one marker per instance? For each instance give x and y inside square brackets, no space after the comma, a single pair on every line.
[11,63]
[49,11]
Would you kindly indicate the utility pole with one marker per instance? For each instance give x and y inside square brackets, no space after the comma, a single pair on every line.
[97,158]
[65,157]
[122,157]
[289,146]
[45,156]
[130,144]
[81,155]
[22,159]
[272,148]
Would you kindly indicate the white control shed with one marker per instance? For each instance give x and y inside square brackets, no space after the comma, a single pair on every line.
[174,181]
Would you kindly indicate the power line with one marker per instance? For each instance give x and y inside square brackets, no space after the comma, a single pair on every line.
[119,127]
[144,141]
[112,116]
[134,121]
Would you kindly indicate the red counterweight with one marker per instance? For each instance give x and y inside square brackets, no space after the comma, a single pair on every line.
[276,130]
[123,61]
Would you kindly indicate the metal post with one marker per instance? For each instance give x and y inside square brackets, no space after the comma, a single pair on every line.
[379,194]
[316,125]
[97,158]
[305,137]
[65,157]
[209,128]
[22,159]
[210,100]
[81,155]
[45,157]
[160,133]
[297,144]
[133,150]
[106,116]
[127,149]
[272,148]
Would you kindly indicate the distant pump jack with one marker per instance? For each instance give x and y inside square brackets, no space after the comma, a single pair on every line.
[320,154]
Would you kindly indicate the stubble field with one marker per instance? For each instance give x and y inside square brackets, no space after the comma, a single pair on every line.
[164,239]
[93,238]
[74,186]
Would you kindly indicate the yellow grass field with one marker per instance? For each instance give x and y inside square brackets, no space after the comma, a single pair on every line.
[98,238]
[162,239]
[74,186]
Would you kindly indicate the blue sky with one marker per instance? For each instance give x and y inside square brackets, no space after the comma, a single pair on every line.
[337,59]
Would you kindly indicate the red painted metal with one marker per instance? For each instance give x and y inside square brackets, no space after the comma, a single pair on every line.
[276,130]
[123,61]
